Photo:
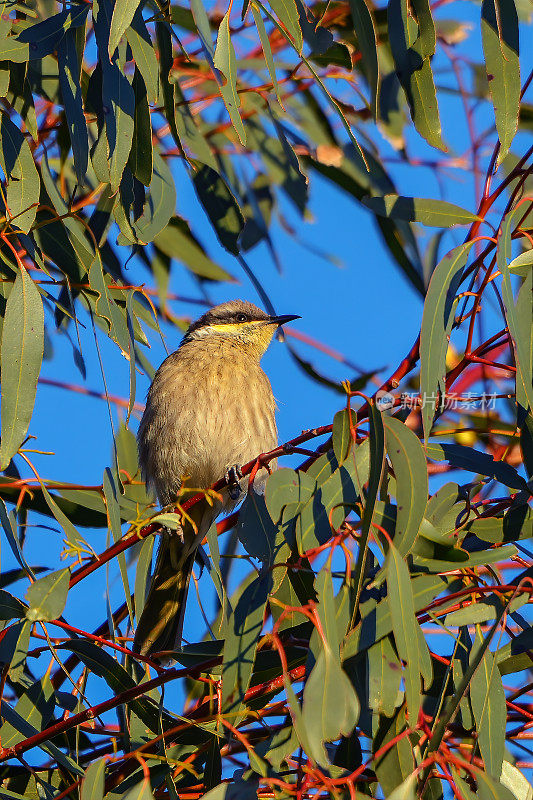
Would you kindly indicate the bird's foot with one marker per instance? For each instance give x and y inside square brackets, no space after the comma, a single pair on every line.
[233,476]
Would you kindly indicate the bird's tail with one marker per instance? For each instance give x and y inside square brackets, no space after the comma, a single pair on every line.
[161,622]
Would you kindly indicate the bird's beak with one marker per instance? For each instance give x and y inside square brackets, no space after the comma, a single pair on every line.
[284,318]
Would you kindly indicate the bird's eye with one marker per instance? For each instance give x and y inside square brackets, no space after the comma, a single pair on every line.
[242,318]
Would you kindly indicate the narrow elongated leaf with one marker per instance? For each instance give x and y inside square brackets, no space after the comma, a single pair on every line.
[47,596]
[92,787]
[10,607]
[490,712]
[341,436]
[287,13]
[119,113]
[499,31]
[141,156]
[437,320]
[267,50]
[409,464]
[123,13]
[113,513]
[366,39]
[417,209]
[36,706]
[178,241]
[69,71]
[21,724]
[384,676]
[144,55]
[476,461]
[519,314]
[220,206]
[404,623]
[23,184]
[44,37]
[413,67]
[226,61]
[396,763]
[330,705]
[241,635]
[21,357]
[9,524]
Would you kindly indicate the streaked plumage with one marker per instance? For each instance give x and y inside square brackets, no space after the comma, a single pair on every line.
[210,407]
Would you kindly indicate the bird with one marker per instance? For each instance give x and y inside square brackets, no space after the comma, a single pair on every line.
[210,409]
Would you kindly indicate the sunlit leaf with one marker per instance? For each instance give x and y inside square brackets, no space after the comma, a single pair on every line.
[499,30]
[21,356]
[417,209]
[47,596]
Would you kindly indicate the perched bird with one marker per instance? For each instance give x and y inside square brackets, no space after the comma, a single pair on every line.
[210,409]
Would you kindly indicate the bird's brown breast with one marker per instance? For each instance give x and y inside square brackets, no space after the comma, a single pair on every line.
[209,407]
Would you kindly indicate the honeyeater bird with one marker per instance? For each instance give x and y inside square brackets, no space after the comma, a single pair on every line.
[209,410]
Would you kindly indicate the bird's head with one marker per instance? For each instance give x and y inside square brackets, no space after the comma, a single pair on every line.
[238,322]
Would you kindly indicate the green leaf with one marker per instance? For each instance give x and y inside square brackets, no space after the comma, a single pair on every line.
[515,781]
[123,13]
[144,55]
[407,790]
[341,436]
[473,460]
[438,213]
[119,680]
[384,676]
[113,513]
[21,355]
[21,98]
[521,265]
[481,611]
[11,607]
[377,461]
[92,787]
[21,724]
[396,764]
[142,791]
[256,531]
[285,487]
[287,13]
[35,706]
[330,705]
[267,50]
[160,203]
[404,623]
[178,241]
[409,48]
[164,42]
[140,160]
[23,185]
[499,31]
[47,596]
[426,27]
[490,710]
[437,320]
[226,61]
[220,206]
[336,494]
[9,524]
[519,315]
[241,634]
[69,79]
[410,468]
[119,112]
[45,36]
[366,39]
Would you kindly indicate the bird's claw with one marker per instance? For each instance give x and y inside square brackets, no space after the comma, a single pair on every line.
[233,476]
